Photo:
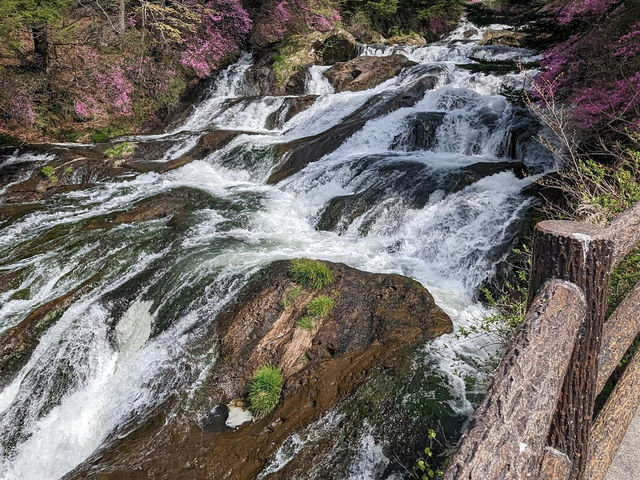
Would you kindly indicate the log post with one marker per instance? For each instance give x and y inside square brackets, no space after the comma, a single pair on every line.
[611,425]
[507,436]
[581,254]
[618,334]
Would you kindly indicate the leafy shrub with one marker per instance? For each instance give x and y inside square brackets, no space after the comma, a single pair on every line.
[265,388]
[120,150]
[311,273]
[425,468]
[50,172]
[508,302]
[317,309]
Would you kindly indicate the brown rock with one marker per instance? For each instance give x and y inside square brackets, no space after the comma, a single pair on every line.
[376,320]
[508,38]
[364,72]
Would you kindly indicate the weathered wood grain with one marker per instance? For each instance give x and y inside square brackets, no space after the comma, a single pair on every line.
[618,334]
[507,435]
[612,422]
[624,231]
[582,254]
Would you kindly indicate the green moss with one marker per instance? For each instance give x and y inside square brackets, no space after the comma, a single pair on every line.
[293,54]
[311,273]
[265,388]
[120,150]
[106,133]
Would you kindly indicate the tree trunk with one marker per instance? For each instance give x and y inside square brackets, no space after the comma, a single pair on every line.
[40,47]
[581,254]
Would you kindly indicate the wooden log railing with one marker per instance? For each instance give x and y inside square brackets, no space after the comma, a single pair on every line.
[536,420]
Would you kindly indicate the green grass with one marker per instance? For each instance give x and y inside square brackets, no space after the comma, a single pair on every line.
[50,173]
[320,307]
[311,273]
[120,150]
[106,133]
[317,309]
[292,295]
[265,388]
[306,323]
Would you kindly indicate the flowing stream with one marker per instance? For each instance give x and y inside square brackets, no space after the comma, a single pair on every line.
[432,191]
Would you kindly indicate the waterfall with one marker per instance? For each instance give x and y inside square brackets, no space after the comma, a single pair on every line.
[433,190]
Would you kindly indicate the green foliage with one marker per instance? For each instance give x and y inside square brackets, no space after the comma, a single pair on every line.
[623,278]
[106,133]
[383,7]
[68,170]
[49,172]
[120,150]
[292,295]
[424,468]
[508,302]
[316,310]
[311,273]
[428,18]
[265,388]
[16,15]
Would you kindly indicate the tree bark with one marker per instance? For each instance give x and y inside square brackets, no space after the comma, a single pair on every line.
[618,334]
[506,439]
[581,254]
[40,47]
[612,423]
[625,231]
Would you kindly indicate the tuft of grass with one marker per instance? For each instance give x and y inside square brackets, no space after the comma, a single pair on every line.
[293,294]
[68,170]
[311,273]
[306,323]
[265,388]
[49,172]
[317,309]
[120,150]
[320,307]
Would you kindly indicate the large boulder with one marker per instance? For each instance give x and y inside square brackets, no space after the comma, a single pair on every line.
[508,38]
[366,72]
[340,46]
[376,321]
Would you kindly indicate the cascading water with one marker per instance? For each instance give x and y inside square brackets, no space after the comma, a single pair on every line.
[432,191]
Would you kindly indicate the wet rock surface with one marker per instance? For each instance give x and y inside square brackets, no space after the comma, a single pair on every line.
[300,152]
[414,182]
[376,321]
[364,72]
